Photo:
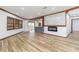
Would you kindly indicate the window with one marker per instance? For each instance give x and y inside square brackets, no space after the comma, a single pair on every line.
[13,23]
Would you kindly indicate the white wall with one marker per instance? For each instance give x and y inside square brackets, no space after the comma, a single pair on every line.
[62,31]
[74,13]
[68,22]
[56,19]
[25,25]
[3,25]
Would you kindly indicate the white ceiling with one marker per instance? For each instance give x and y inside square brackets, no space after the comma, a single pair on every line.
[34,11]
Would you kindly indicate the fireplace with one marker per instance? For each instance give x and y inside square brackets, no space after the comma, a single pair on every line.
[52,28]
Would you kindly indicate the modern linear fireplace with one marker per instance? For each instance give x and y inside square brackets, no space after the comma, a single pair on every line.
[52,28]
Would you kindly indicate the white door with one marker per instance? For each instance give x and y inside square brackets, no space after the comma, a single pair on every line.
[75,25]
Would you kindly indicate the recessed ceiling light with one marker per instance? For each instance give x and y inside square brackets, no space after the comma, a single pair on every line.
[22,8]
[53,8]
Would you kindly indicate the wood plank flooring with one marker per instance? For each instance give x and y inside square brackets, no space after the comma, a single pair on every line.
[39,42]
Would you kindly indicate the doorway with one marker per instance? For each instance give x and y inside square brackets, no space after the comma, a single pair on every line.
[39,25]
[31,26]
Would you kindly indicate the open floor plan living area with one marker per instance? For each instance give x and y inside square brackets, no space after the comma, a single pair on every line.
[39,28]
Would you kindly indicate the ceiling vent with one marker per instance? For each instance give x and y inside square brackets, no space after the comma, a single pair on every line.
[44,7]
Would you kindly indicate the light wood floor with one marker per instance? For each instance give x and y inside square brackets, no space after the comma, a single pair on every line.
[39,42]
